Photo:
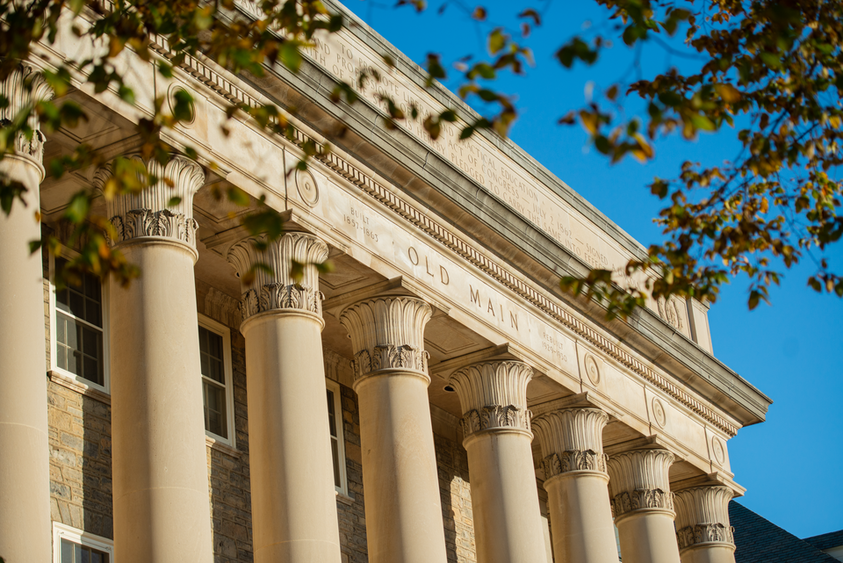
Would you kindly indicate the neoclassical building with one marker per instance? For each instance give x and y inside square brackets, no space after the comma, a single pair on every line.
[435,398]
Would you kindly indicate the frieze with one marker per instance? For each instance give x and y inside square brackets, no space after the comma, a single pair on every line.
[574,460]
[641,499]
[215,80]
[690,536]
[495,417]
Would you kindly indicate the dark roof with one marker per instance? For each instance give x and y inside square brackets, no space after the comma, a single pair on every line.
[826,541]
[760,541]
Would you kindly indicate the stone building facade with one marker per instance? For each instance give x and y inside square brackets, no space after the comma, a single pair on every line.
[474,412]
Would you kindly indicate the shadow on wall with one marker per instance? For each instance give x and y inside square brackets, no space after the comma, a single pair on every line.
[455,494]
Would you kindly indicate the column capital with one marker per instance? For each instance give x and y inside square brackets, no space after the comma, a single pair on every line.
[278,290]
[702,517]
[640,482]
[146,213]
[572,440]
[387,333]
[26,85]
[493,396]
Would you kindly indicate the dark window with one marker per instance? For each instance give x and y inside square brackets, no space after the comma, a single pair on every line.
[332,424]
[75,553]
[213,381]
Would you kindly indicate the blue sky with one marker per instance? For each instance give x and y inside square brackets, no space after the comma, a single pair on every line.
[792,351]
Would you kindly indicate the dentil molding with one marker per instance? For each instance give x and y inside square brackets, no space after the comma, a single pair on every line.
[387,333]
[572,440]
[493,395]
[147,213]
[276,288]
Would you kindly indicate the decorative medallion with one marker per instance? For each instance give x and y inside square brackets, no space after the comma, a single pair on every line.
[307,188]
[591,369]
[659,414]
[718,450]
[669,312]
[171,100]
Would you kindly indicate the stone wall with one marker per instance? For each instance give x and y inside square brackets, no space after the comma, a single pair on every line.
[455,492]
[228,469]
[352,519]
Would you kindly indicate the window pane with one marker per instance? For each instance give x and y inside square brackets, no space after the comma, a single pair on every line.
[77,304]
[66,551]
[70,338]
[336,456]
[215,410]
[332,422]
[203,340]
[63,300]
[216,372]
[86,555]
[94,313]
[61,328]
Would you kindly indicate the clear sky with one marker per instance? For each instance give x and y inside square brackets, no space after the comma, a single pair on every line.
[792,351]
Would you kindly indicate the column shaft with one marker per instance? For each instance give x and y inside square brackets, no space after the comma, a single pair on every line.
[294,511]
[643,506]
[577,485]
[24,449]
[159,464]
[504,497]
[400,478]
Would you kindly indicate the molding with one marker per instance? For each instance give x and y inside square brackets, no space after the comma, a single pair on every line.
[222,447]
[146,213]
[387,333]
[704,534]
[641,500]
[495,417]
[574,460]
[222,307]
[222,85]
[277,289]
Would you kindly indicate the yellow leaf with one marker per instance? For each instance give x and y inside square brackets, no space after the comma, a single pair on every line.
[728,93]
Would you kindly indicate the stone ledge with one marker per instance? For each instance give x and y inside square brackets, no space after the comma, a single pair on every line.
[74,384]
[222,447]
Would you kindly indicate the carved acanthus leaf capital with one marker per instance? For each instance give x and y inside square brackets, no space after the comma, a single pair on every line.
[277,288]
[702,516]
[148,213]
[639,480]
[493,395]
[24,87]
[572,440]
[387,333]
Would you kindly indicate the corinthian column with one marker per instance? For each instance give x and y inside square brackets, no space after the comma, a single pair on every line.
[24,450]
[161,507]
[403,512]
[497,437]
[577,485]
[643,506]
[294,510]
[702,523]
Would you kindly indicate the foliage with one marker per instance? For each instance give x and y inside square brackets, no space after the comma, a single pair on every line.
[772,72]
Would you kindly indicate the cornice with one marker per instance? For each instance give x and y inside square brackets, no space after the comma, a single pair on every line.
[466,250]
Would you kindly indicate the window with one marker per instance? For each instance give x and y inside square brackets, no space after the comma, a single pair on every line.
[77,330]
[337,441]
[215,360]
[75,546]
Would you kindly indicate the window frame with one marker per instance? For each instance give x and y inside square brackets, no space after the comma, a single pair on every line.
[106,361]
[81,537]
[334,387]
[225,333]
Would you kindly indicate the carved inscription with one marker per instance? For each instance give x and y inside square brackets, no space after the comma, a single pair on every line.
[436,272]
[484,303]
[553,346]
[361,222]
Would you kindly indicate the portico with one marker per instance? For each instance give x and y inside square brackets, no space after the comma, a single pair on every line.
[467,397]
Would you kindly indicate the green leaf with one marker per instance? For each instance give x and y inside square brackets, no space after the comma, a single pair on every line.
[291,56]
[497,41]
